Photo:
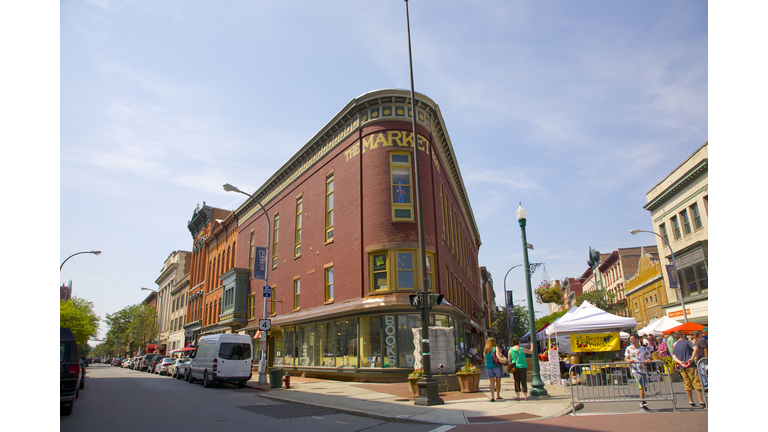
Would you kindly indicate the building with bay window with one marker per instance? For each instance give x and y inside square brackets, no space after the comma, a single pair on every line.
[679,207]
[343,252]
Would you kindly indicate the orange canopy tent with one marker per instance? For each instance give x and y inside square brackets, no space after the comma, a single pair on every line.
[686,328]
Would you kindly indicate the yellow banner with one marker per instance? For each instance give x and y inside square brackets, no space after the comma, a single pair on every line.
[594,342]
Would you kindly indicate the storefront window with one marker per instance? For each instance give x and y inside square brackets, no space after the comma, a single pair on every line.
[306,345]
[346,343]
[370,342]
[289,346]
[405,326]
[325,344]
[701,275]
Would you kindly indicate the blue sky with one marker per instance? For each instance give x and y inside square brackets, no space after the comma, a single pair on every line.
[575,109]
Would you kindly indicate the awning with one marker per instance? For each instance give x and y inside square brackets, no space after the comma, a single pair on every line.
[185,349]
[686,328]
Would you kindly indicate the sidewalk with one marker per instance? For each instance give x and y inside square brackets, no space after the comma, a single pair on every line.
[393,401]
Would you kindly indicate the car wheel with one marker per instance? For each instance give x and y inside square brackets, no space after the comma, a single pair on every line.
[241,384]
[189,377]
[66,409]
[206,382]
[82,383]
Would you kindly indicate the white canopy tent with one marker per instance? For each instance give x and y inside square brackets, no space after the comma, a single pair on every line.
[657,327]
[588,318]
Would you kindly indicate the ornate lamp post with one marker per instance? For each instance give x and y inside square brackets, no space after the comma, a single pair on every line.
[674,266]
[90,252]
[537,384]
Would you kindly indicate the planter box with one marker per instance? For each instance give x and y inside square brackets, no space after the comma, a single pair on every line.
[469,383]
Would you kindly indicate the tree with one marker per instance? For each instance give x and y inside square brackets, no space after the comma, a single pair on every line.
[78,315]
[549,319]
[518,319]
[134,325]
[600,298]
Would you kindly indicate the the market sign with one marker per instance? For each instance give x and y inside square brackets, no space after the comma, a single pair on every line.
[595,342]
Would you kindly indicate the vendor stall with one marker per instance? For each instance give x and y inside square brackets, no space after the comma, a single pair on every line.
[659,326]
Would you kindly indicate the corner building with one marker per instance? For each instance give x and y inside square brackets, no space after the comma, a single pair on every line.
[343,252]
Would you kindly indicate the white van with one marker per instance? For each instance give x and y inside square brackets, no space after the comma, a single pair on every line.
[221,358]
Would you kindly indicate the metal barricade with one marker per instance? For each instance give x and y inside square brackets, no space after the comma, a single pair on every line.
[615,382]
[702,367]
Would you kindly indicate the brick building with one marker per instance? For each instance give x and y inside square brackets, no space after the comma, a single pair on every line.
[343,252]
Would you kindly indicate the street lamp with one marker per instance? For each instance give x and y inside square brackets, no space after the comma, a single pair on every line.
[90,252]
[428,387]
[159,312]
[263,361]
[537,384]
[674,266]
[509,335]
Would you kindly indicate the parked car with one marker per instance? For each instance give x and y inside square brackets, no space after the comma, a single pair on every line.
[179,368]
[154,363]
[136,363]
[162,366]
[221,358]
[146,362]
[83,365]
[70,371]
[127,363]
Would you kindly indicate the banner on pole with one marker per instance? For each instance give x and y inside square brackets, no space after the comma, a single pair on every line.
[672,275]
[260,263]
[595,342]
[509,300]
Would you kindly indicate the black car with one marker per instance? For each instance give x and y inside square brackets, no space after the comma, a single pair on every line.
[70,372]
[154,363]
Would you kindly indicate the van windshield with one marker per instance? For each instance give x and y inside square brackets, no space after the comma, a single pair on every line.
[235,351]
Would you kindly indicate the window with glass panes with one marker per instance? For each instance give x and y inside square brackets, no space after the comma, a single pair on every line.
[675,227]
[299,211]
[296,293]
[686,222]
[272,300]
[329,208]
[251,307]
[695,215]
[276,226]
[379,271]
[663,232]
[250,257]
[328,284]
[400,175]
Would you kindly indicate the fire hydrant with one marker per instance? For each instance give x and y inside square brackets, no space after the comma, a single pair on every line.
[287,380]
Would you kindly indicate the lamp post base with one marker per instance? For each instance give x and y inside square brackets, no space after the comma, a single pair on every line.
[263,372]
[428,390]
[537,388]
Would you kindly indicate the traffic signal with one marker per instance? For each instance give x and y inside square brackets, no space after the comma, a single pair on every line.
[415,300]
[435,299]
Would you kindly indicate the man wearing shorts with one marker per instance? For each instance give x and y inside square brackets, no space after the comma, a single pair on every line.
[683,356]
[639,356]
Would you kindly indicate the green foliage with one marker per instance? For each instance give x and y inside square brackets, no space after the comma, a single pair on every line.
[518,314]
[548,319]
[134,325]
[601,298]
[78,315]
[547,293]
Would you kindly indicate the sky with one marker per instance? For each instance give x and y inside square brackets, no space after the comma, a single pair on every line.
[574,109]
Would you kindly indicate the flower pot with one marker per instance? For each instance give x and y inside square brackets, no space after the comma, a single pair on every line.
[469,382]
[412,385]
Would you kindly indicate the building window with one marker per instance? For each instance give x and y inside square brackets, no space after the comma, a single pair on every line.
[296,293]
[706,204]
[400,174]
[274,240]
[329,208]
[251,307]
[663,232]
[430,272]
[405,270]
[273,300]
[380,275]
[299,211]
[686,222]
[442,204]
[329,284]
[250,257]
[696,216]
[675,227]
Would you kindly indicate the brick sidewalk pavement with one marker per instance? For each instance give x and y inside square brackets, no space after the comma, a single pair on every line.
[680,421]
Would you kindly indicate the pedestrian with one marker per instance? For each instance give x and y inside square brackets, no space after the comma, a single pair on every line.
[517,358]
[700,346]
[671,342]
[474,355]
[682,353]
[663,348]
[639,357]
[493,370]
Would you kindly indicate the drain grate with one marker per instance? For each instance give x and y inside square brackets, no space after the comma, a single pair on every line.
[289,411]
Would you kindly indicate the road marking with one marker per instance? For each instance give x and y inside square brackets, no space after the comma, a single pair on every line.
[443,428]
[319,418]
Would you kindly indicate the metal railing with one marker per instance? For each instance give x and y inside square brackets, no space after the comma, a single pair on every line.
[615,382]
[702,367]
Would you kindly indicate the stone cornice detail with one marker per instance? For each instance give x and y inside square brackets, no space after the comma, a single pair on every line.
[692,174]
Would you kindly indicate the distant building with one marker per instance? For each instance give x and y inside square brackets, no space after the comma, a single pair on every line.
[645,291]
[65,291]
[175,267]
[679,207]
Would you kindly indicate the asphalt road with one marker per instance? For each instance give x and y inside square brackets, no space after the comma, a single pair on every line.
[116,399]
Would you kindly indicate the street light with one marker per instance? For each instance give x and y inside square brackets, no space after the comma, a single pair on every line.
[159,312]
[509,335]
[263,361]
[674,266]
[90,252]
[537,384]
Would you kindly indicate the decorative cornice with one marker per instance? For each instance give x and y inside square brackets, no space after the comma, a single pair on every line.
[686,179]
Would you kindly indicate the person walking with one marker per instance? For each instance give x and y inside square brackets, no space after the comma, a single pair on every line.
[639,357]
[682,353]
[493,370]
[700,350]
[517,358]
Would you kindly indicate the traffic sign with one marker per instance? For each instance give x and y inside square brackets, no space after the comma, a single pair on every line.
[416,301]
[267,291]
[265,324]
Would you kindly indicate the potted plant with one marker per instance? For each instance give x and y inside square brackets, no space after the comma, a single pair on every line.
[413,378]
[469,378]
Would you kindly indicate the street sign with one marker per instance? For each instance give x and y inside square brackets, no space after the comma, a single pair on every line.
[416,301]
[188,333]
[267,291]
[265,324]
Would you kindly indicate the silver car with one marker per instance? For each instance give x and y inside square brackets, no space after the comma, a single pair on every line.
[162,367]
[181,368]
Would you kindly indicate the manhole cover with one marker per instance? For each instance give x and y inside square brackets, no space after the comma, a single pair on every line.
[289,411]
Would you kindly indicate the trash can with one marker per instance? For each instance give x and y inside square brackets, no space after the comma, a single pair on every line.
[275,377]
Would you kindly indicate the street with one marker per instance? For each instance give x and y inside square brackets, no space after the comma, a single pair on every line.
[117,399]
